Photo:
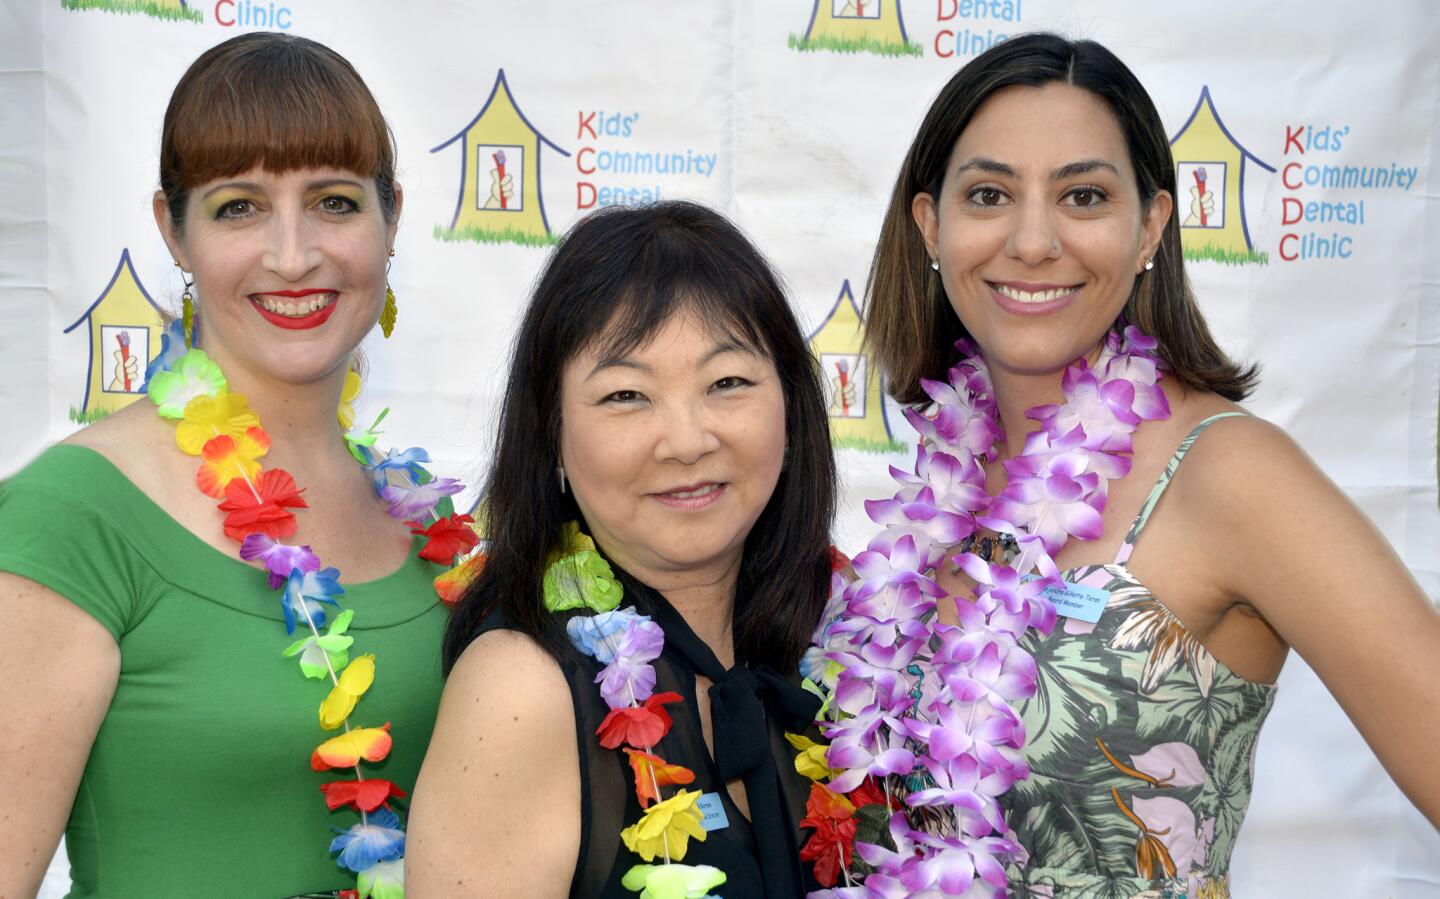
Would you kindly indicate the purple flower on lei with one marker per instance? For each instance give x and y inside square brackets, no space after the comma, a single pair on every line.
[954,485]
[932,866]
[630,643]
[931,527]
[279,558]
[1103,414]
[418,500]
[1056,502]
[889,586]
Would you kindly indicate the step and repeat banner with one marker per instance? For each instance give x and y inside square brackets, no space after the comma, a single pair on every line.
[1304,135]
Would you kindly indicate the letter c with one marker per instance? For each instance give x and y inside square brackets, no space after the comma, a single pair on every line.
[1292,256]
[220,21]
[945,52]
[580,165]
[282,18]
[1285,176]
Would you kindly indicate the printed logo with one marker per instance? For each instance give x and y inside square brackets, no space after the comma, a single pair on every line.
[856,26]
[500,199]
[1325,189]
[125,327]
[1210,180]
[958,39]
[852,392]
[174,10]
[616,167]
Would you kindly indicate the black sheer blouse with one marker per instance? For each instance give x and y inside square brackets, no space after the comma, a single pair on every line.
[751,709]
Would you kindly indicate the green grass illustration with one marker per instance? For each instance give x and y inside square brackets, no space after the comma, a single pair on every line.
[1212,253]
[81,417]
[866,445]
[854,45]
[483,235]
[144,7]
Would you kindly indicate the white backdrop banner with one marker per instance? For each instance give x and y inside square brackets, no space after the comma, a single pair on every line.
[1308,128]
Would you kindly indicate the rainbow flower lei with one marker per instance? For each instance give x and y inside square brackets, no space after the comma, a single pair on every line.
[626,642]
[926,708]
[218,426]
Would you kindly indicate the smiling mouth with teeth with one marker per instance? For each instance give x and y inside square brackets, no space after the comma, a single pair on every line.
[1037,296]
[296,308]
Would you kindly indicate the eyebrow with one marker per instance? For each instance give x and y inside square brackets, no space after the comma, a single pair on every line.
[728,346]
[1069,170]
[253,187]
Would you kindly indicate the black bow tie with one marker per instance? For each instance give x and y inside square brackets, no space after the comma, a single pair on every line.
[741,701]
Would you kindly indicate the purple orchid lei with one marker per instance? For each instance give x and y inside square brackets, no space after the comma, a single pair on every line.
[928,709]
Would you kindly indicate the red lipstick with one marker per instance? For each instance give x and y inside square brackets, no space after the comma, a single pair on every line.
[301,323]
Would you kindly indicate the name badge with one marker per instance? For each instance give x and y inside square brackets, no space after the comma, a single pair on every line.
[1078,601]
[713,809]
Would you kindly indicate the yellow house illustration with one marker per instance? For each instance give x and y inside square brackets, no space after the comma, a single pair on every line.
[125,327]
[1210,173]
[852,391]
[855,26]
[175,10]
[499,175]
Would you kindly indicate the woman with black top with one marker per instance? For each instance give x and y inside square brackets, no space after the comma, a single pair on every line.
[662,399]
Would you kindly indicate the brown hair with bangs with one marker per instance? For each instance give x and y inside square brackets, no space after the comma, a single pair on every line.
[275,101]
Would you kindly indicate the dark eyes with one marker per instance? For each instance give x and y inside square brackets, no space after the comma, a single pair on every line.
[728,383]
[333,204]
[986,196]
[235,209]
[339,205]
[1085,197]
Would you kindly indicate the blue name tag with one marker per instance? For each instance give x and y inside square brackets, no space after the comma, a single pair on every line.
[713,809]
[1078,601]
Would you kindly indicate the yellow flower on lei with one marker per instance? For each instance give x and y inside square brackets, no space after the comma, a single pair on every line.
[666,825]
[354,681]
[208,417]
[346,411]
[810,760]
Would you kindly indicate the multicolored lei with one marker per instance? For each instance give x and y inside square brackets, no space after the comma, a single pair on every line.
[218,427]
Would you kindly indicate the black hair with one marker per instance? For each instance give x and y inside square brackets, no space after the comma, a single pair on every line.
[615,280]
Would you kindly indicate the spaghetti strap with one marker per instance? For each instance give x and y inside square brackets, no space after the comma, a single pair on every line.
[1143,517]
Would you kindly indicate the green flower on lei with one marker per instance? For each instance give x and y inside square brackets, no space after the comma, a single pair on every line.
[579,577]
[193,376]
[335,645]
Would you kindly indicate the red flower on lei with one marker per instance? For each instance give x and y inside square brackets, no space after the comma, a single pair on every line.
[446,538]
[639,726]
[263,510]
[361,795]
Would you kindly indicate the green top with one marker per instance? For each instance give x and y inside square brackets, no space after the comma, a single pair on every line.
[199,781]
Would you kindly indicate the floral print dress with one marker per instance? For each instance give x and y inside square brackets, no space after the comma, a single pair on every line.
[1141,746]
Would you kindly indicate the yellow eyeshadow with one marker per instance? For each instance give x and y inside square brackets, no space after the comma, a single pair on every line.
[216,201]
[354,195]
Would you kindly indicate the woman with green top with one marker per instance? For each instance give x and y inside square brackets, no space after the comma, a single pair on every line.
[153,563]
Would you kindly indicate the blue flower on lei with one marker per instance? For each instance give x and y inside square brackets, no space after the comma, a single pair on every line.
[305,591]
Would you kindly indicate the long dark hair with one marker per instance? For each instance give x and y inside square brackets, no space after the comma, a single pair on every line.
[618,277]
[909,323]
